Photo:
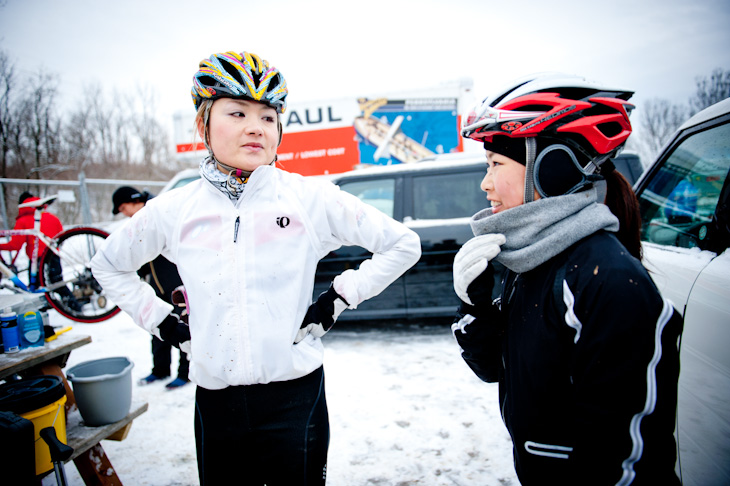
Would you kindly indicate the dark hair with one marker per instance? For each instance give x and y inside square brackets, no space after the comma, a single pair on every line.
[623,203]
[24,196]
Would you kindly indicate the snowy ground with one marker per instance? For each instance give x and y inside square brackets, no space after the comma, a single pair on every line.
[404,410]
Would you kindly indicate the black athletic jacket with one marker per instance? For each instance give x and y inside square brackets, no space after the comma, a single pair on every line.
[162,275]
[586,354]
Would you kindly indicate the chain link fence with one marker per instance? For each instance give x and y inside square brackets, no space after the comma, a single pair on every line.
[86,201]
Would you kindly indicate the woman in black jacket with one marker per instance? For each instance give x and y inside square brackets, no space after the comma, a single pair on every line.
[583,346]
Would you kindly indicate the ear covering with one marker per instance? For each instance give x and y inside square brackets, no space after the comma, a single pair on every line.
[553,169]
[557,171]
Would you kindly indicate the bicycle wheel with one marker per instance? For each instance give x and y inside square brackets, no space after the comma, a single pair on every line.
[66,274]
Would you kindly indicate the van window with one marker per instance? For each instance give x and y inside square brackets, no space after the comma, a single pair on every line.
[682,196]
[446,196]
[375,192]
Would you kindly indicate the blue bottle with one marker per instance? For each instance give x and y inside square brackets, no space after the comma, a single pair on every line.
[31,329]
[9,323]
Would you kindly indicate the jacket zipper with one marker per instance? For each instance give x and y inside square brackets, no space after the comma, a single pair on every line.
[235,228]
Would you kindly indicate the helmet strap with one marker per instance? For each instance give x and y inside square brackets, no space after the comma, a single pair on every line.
[531,153]
[233,171]
[206,117]
[239,174]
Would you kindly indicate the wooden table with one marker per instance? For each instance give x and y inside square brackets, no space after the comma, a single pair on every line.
[89,457]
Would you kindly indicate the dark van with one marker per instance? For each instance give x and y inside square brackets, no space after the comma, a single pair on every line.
[435,198]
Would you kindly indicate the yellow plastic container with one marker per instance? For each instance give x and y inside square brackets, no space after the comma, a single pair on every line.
[41,400]
[53,415]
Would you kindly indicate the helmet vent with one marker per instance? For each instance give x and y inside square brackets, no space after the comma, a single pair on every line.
[500,98]
[599,109]
[572,93]
[610,129]
[208,81]
[231,70]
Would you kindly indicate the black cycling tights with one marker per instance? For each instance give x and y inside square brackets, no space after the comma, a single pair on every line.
[275,434]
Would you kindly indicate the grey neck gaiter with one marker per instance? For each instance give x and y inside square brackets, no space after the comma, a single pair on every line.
[540,230]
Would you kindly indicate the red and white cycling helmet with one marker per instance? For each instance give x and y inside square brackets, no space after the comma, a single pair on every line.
[587,121]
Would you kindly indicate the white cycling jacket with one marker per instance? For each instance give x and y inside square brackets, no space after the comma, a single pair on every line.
[248,268]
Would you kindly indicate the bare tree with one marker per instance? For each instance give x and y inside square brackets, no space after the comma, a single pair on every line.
[79,139]
[6,83]
[151,136]
[112,125]
[40,125]
[659,119]
[92,131]
[101,137]
[710,90]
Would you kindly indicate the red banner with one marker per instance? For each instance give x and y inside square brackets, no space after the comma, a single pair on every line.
[327,151]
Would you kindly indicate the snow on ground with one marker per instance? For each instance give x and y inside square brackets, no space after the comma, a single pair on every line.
[405,410]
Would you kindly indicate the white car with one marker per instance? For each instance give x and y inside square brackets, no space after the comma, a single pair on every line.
[685,208]
[182,178]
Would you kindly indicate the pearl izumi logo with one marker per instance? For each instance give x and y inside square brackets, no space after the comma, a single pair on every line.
[282,221]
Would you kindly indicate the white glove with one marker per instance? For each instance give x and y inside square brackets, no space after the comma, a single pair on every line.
[472,260]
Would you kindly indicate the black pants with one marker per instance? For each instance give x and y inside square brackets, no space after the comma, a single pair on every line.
[162,360]
[275,434]
[55,274]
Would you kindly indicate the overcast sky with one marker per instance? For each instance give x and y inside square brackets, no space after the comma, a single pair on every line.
[334,49]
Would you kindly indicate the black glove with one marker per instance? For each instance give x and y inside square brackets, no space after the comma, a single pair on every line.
[175,332]
[480,290]
[322,314]
[180,299]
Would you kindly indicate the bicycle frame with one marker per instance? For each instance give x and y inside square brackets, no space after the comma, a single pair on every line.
[13,277]
[33,280]
[62,271]
[38,237]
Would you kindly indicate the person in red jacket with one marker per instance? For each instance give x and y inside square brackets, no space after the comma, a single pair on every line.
[50,226]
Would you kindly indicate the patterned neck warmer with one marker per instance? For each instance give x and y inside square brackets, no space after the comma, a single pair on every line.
[540,230]
[228,184]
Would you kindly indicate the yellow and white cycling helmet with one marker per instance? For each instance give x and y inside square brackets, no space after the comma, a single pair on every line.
[243,76]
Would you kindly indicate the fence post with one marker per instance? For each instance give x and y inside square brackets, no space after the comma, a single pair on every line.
[85,211]
[4,206]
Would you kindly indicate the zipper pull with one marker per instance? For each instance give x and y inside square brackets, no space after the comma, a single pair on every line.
[235,228]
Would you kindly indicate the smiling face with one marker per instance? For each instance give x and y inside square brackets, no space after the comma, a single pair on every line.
[504,182]
[242,134]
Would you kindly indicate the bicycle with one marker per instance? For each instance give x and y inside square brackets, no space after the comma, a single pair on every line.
[62,272]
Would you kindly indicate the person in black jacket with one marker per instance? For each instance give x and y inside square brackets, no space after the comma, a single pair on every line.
[584,347]
[162,275]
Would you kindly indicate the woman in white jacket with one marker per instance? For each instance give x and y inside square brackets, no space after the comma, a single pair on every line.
[247,238]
